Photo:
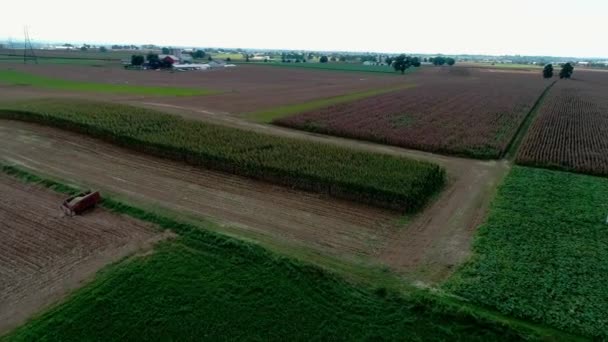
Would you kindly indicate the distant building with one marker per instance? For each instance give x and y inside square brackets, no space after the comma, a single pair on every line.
[369,63]
[217,64]
[169,58]
[191,66]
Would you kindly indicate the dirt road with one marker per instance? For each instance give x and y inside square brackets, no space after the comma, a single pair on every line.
[434,241]
[44,255]
[256,209]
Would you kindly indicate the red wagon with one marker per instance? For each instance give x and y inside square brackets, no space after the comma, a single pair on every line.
[77,204]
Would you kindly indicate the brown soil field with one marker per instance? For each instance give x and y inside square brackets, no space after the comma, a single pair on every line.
[45,255]
[246,88]
[427,248]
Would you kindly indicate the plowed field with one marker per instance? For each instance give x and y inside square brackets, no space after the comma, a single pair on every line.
[461,111]
[44,255]
[571,131]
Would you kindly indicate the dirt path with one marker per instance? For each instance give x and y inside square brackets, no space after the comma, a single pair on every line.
[44,255]
[436,240]
[433,241]
[254,209]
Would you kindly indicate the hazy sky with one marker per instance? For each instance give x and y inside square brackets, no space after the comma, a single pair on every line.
[534,27]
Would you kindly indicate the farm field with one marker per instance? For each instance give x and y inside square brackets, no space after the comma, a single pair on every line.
[53,61]
[381,180]
[571,130]
[435,240]
[542,254]
[21,79]
[452,111]
[43,255]
[244,89]
[113,55]
[338,66]
[254,209]
[204,284]
[221,169]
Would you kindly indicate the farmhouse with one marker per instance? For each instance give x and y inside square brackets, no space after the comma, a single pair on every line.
[172,59]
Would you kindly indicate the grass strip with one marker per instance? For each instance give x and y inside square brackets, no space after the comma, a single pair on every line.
[268,115]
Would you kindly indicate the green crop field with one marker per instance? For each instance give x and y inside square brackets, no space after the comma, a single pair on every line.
[24,79]
[52,60]
[382,180]
[338,66]
[268,115]
[201,285]
[543,252]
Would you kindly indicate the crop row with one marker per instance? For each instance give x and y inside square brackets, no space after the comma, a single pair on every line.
[382,180]
[571,131]
[473,114]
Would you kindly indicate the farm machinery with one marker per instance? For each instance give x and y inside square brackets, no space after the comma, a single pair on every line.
[77,204]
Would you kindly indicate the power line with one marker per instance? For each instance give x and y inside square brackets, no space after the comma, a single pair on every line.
[27,45]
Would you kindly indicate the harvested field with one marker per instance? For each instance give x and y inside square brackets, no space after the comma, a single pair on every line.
[44,255]
[456,111]
[571,130]
[246,88]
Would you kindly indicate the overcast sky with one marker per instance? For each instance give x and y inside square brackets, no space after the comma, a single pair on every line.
[533,27]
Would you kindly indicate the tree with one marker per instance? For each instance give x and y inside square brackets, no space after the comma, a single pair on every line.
[198,54]
[83,48]
[548,71]
[450,61]
[152,57]
[438,60]
[416,62]
[228,59]
[567,70]
[246,58]
[403,62]
[388,61]
[103,49]
[323,59]
[166,51]
[209,58]
[137,60]
[333,59]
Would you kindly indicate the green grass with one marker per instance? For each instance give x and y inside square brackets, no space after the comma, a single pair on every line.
[268,115]
[543,252]
[222,56]
[203,285]
[24,79]
[378,179]
[337,66]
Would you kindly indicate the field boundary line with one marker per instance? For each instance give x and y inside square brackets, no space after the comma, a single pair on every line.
[513,146]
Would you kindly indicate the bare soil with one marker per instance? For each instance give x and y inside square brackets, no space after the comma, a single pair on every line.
[45,255]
